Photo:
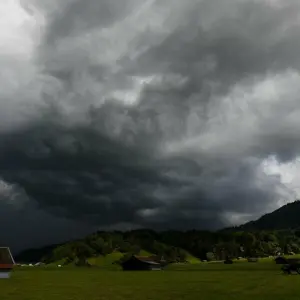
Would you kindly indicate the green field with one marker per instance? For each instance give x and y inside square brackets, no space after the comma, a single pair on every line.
[240,281]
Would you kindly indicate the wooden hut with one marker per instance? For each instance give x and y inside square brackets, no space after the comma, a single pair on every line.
[280,260]
[283,261]
[6,262]
[141,263]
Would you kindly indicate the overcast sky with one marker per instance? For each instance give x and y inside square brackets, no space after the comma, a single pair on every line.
[145,113]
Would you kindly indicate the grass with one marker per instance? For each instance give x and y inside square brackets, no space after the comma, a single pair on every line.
[240,281]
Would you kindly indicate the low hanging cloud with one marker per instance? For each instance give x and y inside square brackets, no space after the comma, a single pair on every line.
[162,114]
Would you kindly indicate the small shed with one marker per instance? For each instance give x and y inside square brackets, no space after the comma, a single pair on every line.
[6,262]
[280,260]
[141,263]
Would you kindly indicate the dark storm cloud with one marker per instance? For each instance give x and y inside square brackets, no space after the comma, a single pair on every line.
[154,114]
[77,17]
[25,226]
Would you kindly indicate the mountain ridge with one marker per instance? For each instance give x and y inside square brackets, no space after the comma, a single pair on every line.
[285,217]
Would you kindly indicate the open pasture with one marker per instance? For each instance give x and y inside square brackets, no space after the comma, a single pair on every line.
[241,281]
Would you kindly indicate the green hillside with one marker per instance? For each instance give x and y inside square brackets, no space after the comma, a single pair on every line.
[107,261]
[109,249]
[192,259]
[272,234]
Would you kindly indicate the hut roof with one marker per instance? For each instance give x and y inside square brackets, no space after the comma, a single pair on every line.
[147,259]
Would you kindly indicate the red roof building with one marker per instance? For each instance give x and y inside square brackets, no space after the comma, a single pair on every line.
[6,262]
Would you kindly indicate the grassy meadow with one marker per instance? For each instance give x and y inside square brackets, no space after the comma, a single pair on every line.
[242,280]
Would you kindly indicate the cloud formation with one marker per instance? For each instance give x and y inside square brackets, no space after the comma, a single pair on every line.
[162,114]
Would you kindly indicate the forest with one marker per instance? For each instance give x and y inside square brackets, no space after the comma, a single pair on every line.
[173,246]
[273,234]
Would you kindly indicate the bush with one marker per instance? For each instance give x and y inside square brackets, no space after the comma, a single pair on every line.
[210,256]
[81,262]
[252,259]
[228,261]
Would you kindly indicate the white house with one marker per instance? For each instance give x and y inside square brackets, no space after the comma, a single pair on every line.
[6,262]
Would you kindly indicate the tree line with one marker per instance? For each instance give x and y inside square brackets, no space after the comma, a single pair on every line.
[175,246]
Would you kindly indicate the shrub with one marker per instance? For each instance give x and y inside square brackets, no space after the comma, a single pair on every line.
[228,261]
[252,259]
